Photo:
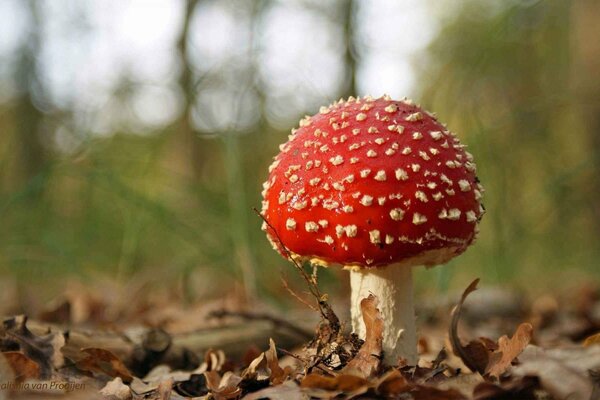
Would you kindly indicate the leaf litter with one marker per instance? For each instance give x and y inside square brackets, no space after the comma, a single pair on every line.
[539,360]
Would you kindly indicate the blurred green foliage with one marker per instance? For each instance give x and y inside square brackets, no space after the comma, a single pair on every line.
[509,81]
[508,77]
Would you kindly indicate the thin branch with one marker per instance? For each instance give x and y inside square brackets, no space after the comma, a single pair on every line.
[324,307]
[296,295]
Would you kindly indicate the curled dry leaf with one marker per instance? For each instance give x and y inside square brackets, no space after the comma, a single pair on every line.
[278,374]
[509,349]
[214,359]
[483,355]
[103,361]
[44,350]
[195,386]
[223,388]
[23,367]
[591,340]
[474,355]
[367,361]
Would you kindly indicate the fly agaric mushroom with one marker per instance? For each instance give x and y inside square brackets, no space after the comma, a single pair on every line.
[377,186]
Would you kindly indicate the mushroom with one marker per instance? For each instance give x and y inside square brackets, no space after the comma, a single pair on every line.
[377,186]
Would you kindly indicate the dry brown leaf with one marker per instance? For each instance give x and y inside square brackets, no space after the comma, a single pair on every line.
[367,361]
[255,365]
[483,355]
[44,350]
[214,359]
[521,388]
[116,389]
[474,355]
[213,380]
[509,349]
[432,393]
[23,367]
[391,384]
[6,372]
[564,373]
[103,361]
[595,377]
[288,390]
[477,354]
[164,390]
[591,340]
[340,383]
[223,388]
[278,375]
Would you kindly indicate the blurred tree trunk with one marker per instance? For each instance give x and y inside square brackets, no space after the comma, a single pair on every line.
[30,154]
[187,144]
[586,81]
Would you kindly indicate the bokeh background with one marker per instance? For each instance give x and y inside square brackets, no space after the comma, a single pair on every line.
[135,134]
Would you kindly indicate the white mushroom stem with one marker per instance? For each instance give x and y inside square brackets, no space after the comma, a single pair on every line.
[393,287]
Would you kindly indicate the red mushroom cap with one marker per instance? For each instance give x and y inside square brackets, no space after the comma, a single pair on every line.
[369,183]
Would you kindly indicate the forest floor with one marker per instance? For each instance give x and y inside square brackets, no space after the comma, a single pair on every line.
[498,345]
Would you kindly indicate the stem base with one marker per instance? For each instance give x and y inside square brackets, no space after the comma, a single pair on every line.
[393,287]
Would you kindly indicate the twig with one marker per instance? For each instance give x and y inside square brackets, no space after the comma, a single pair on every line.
[324,307]
[296,295]
[297,357]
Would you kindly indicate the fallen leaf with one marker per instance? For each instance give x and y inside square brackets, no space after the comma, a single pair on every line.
[591,340]
[195,386]
[24,367]
[278,374]
[463,383]
[509,350]
[213,380]
[103,361]
[214,360]
[44,350]
[164,390]
[522,389]
[367,361]
[474,355]
[327,387]
[141,388]
[564,373]
[442,355]
[432,393]
[581,359]
[391,384]
[595,377]
[255,365]
[116,389]
[483,355]
[288,390]
[7,374]
[225,387]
